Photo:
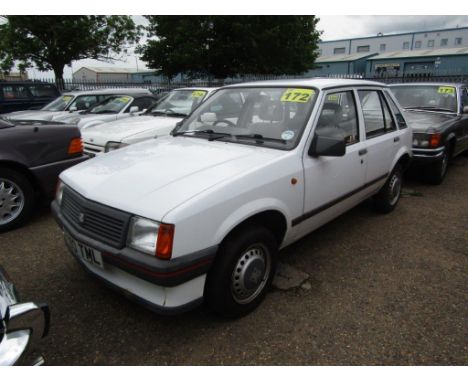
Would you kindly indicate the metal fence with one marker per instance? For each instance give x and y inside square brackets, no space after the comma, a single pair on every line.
[157,87]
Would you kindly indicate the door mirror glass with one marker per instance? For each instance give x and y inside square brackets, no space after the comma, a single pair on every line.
[328,142]
[72,109]
[134,109]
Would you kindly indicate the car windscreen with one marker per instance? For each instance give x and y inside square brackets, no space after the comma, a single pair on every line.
[263,116]
[427,97]
[111,105]
[58,104]
[178,102]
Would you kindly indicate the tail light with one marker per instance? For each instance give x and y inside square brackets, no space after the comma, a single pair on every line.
[75,146]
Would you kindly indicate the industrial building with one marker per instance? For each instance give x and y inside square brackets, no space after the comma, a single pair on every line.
[340,64]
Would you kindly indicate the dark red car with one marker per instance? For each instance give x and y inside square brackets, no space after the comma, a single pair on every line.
[32,155]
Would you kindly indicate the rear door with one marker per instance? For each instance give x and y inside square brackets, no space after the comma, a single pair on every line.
[381,135]
[15,97]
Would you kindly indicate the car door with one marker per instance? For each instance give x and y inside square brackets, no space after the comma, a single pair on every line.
[334,184]
[381,135]
[464,119]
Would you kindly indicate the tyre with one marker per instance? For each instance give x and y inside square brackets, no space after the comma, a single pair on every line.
[435,173]
[389,195]
[16,199]
[242,272]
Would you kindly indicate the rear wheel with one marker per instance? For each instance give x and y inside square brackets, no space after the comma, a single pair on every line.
[389,195]
[242,273]
[16,199]
[435,173]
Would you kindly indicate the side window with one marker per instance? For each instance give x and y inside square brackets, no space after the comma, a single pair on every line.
[142,103]
[464,97]
[43,90]
[15,92]
[339,111]
[377,117]
[396,111]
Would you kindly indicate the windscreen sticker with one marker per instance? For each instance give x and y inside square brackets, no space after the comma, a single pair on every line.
[67,99]
[122,99]
[287,135]
[198,94]
[297,95]
[446,90]
[333,97]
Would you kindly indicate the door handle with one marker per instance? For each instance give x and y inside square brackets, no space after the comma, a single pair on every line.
[396,139]
[362,152]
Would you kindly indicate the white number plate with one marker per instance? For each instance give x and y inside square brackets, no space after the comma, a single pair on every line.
[90,255]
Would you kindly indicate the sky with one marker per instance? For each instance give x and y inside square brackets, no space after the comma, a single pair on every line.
[333,27]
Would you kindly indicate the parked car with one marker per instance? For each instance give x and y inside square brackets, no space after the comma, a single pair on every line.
[157,121]
[201,214]
[26,95]
[22,325]
[438,114]
[111,109]
[32,154]
[71,102]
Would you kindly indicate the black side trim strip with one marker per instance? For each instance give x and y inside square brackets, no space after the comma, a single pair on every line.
[326,206]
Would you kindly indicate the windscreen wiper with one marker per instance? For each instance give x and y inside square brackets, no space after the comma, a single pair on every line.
[429,108]
[259,138]
[212,134]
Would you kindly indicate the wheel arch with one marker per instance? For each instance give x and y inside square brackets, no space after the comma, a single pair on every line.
[22,169]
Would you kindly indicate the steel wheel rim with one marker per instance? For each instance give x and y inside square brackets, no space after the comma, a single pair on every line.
[251,273]
[11,201]
[395,189]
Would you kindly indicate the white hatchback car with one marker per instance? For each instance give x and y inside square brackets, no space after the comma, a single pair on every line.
[157,121]
[201,214]
[70,102]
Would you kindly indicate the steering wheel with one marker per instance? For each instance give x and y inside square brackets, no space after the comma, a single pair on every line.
[229,123]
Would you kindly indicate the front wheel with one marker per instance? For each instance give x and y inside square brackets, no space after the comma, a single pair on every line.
[16,199]
[435,173]
[242,272]
[389,195]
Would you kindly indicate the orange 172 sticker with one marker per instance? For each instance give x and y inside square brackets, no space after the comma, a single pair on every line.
[297,95]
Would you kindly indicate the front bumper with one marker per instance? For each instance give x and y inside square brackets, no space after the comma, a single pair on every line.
[26,324]
[163,286]
[421,156]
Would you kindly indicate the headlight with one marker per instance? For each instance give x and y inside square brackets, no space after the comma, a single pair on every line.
[426,140]
[59,192]
[151,237]
[110,146]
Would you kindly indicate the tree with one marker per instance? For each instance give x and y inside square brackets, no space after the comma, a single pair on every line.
[223,46]
[51,42]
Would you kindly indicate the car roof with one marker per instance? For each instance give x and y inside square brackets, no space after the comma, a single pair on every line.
[456,84]
[319,83]
[110,91]
[198,88]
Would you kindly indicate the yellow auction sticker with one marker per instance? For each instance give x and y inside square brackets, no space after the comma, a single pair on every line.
[122,99]
[297,95]
[333,97]
[67,99]
[446,90]
[198,94]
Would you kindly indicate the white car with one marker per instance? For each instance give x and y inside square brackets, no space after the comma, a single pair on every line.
[201,214]
[112,108]
[70,102]
[157,121]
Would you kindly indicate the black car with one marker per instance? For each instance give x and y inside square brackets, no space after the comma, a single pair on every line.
[17,96]
[32,155]
[438,115]
[22,325]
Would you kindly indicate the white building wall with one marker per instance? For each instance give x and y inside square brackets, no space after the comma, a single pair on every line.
[84,74]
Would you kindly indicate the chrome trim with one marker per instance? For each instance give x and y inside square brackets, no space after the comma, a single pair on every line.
[13,346]
[439,149]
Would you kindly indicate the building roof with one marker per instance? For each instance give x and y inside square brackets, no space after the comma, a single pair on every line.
[111,69]
[395,34]
[421,53]
[343,57]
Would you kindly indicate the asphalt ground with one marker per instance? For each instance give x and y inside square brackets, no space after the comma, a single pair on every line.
[382,290]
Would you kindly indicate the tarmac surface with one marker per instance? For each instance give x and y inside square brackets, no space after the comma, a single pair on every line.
[381,290]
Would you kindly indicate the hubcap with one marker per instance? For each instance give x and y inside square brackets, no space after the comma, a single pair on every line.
[11,201]
[250,274]
[443,168]
[395,188]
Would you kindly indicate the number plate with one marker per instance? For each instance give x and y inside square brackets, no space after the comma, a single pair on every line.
[90,255]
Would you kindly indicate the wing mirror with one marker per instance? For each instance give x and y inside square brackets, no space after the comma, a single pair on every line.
[328,142]
[465,109]
[134,109]
[72,109]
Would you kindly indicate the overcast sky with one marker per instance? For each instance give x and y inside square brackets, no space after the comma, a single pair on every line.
[333,27]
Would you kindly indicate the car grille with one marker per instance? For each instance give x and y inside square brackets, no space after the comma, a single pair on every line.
[92,150]
[95,220]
